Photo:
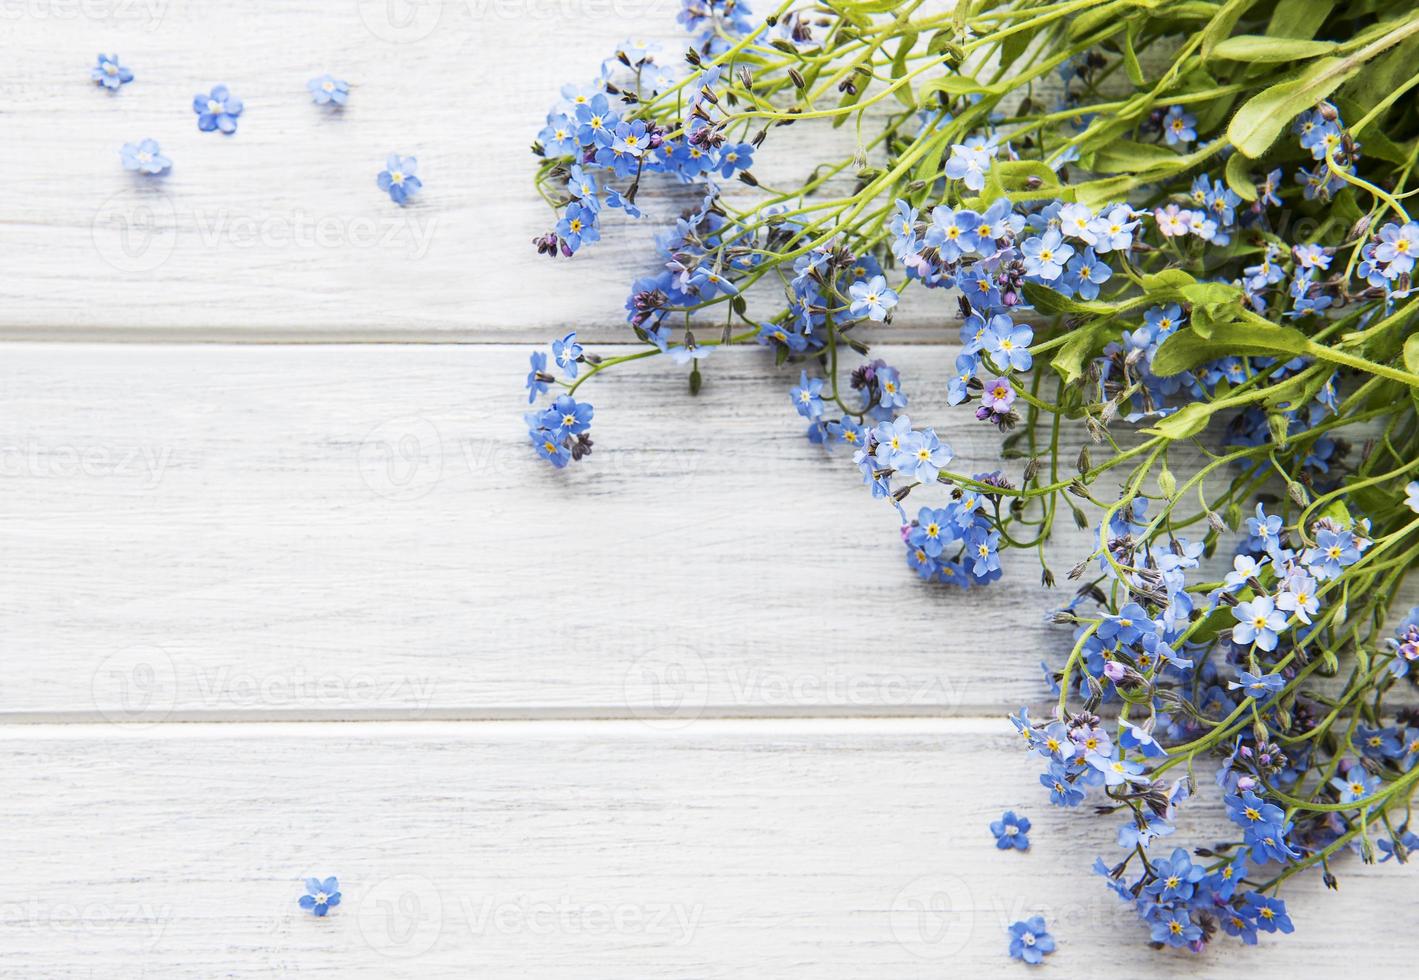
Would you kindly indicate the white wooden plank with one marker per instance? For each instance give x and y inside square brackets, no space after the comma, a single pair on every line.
[314,531]
[820,850]
[279,231]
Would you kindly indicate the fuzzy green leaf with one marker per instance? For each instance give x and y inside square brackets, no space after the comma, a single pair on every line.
[1256,49]
[1186,349]
[1262,117]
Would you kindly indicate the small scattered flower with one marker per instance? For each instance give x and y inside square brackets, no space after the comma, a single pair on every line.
[110,73]
[1010,832]
[399,178]
[145,157]
[328,90]
[320,896]
[1030,940]
[217,110]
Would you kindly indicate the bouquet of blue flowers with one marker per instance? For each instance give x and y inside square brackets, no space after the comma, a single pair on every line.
[1176,226]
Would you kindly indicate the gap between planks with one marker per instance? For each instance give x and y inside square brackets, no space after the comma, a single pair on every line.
[511,729]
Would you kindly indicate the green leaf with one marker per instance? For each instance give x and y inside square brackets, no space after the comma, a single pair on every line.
[1130,57]
[1081,347]
[1223,23]
[1012,177]
[1411,362]
[1256,49]
[1048,301]
[1252,335]
[1097,193]
[1213,304]
[1239,178]
[1153,282]
[1185,423]
[899,68]
[1262,117]
[1298,18]
[953,85]
[1130,157]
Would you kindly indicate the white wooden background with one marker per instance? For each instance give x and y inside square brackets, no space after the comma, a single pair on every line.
[274,608]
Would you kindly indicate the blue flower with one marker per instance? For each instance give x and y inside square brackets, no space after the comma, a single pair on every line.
[1177,876]
[1046,255]
[1259,687]
[1116,772]
[217,110]
[1411,496]
[1174,927]
[1407,843]
[1334,550]
[807,398]
[1030,941]
[1178,127]
[1259,622]
[1062,792]
[399,178]
[578,225]
[1237,922]
[1130,736]
[1086,273]
[1250,811]
[321,896]
[567,353]
[958,386]
[968,164]
[568,416]
[328,90]
[1269,913]
[1355,785]
[1009,343]
[1010,832]
[928,455]
[537,376]
[872,298]
[737,157]
[145,157]
[952,233]
[109,73]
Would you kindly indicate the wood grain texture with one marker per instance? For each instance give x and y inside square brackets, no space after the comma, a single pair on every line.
[320,531]
[815,850]
[279,233]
